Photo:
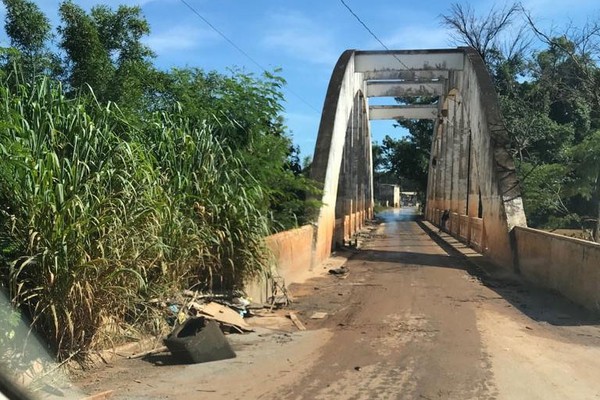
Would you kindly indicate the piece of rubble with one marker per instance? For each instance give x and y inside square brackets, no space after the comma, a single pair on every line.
[224,315]
[297,321]
[318,315]
[339,271]
[198,340]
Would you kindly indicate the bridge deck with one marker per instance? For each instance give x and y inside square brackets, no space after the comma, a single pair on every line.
[421,323]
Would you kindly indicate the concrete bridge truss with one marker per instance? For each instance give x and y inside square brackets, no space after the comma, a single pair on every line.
[470,171]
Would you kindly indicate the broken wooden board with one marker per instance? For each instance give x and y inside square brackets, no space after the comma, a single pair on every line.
[225,315]
[100,396]
[297,321]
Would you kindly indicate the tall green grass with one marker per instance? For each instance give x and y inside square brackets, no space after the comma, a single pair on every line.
[98,213]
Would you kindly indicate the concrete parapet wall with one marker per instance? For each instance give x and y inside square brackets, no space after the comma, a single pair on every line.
[292,259]
[464,229]
[476,233]
[467,229]
[567,265]
[292,250]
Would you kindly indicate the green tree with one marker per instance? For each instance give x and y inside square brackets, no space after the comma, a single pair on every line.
[87,59]
[121,34]
[28,30]
[586,168]
[105,51]
[407,159]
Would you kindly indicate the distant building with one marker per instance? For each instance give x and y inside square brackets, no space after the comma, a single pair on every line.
[408,199]
[388,195]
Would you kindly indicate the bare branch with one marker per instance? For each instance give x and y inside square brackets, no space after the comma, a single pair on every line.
[480,33]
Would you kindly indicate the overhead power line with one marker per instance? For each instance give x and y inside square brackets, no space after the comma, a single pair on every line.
[376,37]
[372,33]
[244,53]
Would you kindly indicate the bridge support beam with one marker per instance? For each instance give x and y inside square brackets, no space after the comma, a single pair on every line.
[403,89]
[403,112]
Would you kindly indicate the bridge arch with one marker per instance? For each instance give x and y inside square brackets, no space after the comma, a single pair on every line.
[471,173]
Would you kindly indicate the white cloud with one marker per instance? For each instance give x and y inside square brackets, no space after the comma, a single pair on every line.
[297,36]
[180,38]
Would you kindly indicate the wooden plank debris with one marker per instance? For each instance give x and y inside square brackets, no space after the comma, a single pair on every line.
[100,396]
[318,315]
[296,321]
[224,315]
[147,353]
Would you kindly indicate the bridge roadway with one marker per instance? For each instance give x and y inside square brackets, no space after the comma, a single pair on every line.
[412,320]
[431,326]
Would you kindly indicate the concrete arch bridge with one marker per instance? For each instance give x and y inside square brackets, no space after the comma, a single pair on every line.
[471,173]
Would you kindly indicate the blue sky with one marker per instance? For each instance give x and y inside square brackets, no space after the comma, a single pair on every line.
[304,38]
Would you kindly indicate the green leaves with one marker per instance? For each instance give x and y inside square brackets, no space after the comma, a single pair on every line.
[27,27]
[103,205]
[98,211]
[407,159]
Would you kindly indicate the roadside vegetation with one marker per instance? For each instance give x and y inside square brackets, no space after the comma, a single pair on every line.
[549,90]
[120,183]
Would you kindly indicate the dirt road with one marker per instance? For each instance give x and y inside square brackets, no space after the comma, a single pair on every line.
[412,320]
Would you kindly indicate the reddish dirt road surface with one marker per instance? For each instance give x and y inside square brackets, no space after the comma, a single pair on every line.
[412,320]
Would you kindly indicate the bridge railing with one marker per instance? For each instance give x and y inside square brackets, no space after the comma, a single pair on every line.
[292,260]
[568,265]
[468,230]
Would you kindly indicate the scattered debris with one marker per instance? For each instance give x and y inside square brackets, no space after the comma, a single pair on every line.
[100,396]
[357,368]
[224,315]
[296,321]
[279,294]
[339,271]
[528,327]
[199,340]
[189,304]
[147,353]
[318,315]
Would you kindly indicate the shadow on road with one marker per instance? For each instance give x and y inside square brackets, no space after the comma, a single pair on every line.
[542,305]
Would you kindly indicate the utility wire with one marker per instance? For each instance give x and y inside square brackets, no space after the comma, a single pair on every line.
[245,54]
[372,33]
[379,40]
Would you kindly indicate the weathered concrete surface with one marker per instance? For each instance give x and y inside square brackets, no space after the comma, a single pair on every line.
[342,159]
[292,260]
[396,112]
[567,265]
[403,88]
[471,172]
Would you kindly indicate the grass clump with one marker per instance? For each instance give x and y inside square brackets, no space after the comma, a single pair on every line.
[98,213]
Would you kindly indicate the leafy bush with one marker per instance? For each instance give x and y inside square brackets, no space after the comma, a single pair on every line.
[98,213]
